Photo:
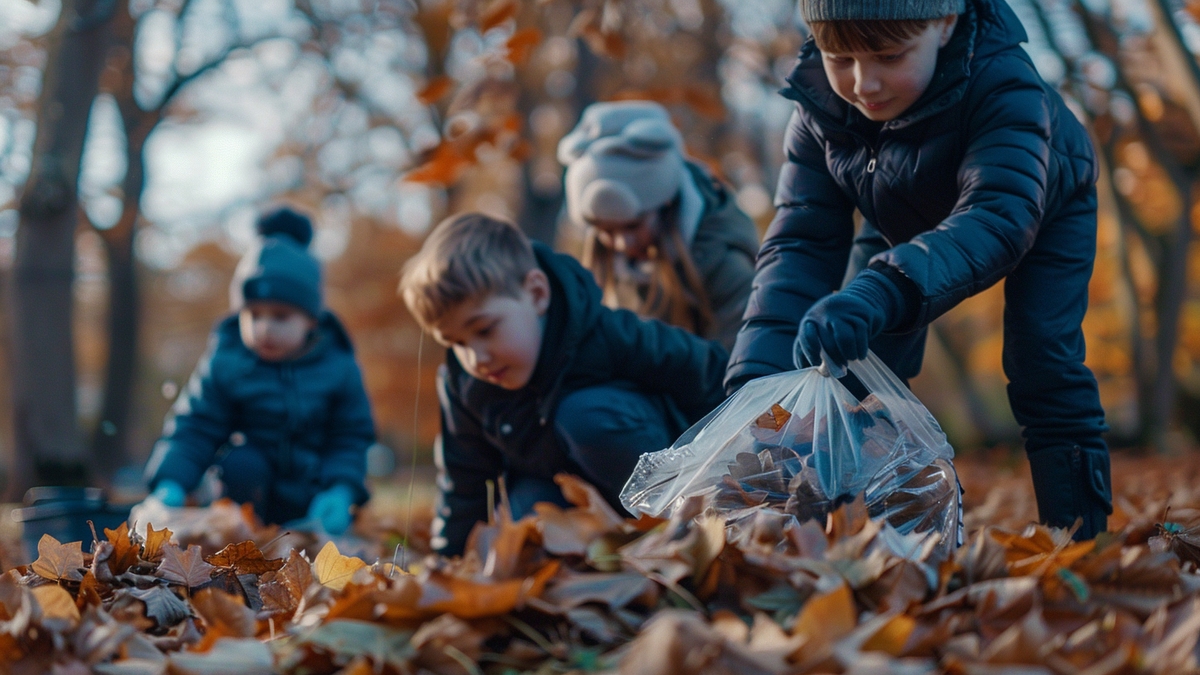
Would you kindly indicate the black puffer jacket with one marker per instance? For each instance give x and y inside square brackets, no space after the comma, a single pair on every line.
[488,431]
[958,185]
[309,415]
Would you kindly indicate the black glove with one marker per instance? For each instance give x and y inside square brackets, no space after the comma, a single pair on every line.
[1073,482]
[843,323]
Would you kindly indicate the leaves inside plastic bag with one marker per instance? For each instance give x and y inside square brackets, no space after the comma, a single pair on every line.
[773,419]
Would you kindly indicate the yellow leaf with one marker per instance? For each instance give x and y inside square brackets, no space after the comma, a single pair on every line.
[56,603]
[893,637]
[334,569]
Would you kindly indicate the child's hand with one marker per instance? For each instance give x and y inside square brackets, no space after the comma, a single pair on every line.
[331,508]
[169,493]
[844,323]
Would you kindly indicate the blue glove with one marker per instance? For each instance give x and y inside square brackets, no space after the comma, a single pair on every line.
[843,323]
[169,493]
[331,508]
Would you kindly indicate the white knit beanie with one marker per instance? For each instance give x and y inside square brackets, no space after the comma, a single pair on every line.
[623,159]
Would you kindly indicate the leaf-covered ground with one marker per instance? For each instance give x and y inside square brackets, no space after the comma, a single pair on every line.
[582,590]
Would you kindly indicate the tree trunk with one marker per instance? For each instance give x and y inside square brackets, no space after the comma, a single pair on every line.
[110,438]
[47,442]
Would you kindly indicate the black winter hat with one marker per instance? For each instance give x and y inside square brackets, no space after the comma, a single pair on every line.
[850,10]
[280,267]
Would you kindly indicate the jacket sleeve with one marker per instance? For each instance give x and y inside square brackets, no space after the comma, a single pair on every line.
[465,462]
[351,431]
[803,258]
[1002,185]
[198,424]
[665,359]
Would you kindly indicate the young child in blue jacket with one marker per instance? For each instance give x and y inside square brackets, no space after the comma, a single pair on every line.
[929,118]
[540,377]
[277,402]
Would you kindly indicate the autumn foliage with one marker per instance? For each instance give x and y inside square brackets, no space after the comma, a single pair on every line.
[584,590]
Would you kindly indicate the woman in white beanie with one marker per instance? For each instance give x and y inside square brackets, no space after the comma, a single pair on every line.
[662,236]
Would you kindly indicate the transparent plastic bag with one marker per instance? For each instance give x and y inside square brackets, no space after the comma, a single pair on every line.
[801,443]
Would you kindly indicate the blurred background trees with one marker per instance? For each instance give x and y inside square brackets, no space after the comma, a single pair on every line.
[139,139]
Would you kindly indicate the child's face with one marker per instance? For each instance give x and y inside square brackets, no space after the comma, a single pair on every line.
[635,238]
[497,338]
[275,331]
[883,84]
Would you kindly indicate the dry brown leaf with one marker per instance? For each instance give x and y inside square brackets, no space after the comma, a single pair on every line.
[185,567]
[472,600]
[224,615]
[57,561]
[125,551]
[828,616]
[445,165]
[56,603]
[152,550]
[244,558]
[773,419]
[281,591]
[334,570]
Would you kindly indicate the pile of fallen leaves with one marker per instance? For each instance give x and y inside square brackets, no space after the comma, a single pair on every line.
[583,590]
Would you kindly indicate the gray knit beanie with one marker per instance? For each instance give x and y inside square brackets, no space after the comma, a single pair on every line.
[850,10]
[623,159]
[279,266]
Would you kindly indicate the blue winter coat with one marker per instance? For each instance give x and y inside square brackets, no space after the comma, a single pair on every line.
[310,416]
[488,431]
[953,192]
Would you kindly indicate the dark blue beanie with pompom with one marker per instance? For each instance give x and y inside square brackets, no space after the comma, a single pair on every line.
[280,267]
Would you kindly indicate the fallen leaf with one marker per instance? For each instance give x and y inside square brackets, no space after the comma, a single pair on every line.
[281,591]
[152,550]
[125,552]
[56,603]
[57,561]
[224,615]
[162,605]
[185,567]
[244,558]
[332,569]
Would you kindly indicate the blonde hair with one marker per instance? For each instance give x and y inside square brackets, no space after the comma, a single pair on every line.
[675,293]
[467,256]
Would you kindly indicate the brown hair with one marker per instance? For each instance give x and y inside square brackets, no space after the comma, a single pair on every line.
[467,256]
[865,35]
[675,293]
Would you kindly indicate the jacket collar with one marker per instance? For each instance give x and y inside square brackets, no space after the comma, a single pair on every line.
[986,27]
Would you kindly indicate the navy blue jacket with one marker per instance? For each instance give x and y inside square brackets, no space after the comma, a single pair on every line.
[488,431]
[957,186]
[310,416]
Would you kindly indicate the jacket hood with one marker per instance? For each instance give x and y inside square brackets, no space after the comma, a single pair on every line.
[987,27]
[720,209]
[575,306]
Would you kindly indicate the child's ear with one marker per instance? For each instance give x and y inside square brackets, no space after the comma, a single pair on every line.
[537,285]
[948,25]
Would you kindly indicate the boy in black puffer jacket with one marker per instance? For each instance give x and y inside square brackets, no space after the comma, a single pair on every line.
[541,378]
[928,118]
[278,401]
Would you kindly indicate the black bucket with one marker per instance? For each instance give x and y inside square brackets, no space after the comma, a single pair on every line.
[64,512]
